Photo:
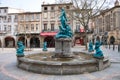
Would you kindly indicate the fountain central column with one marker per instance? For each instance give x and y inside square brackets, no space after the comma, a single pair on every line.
[63,39]
[63,47]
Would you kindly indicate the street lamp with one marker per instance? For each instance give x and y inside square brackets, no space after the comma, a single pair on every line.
[2,31]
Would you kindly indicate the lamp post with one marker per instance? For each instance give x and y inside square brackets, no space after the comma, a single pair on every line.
[2,32]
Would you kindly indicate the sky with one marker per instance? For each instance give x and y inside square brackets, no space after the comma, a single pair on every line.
[27,5]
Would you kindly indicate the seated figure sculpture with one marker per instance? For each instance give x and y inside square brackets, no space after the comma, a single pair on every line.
[20,49]
[45,46]
[99,53]
[90,46]
[64,29]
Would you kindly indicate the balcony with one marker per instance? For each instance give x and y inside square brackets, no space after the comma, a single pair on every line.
[79,30]
[2,32]
[48,30]
[83,31]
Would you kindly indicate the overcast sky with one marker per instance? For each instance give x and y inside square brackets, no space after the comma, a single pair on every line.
[28,5]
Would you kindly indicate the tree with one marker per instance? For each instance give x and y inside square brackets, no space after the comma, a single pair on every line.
[84,10]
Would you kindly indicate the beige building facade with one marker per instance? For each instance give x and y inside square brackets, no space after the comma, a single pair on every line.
[29,28]
[107,25]
[34,28]
[50,21]
[8,25]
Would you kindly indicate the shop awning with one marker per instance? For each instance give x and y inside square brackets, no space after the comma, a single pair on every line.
[48,33]
[82,30]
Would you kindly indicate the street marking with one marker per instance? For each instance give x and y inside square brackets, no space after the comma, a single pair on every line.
[90,76]
[4,71]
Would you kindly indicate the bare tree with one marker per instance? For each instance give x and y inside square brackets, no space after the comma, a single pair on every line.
[85,10]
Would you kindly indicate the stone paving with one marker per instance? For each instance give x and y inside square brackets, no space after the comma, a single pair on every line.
[9,70]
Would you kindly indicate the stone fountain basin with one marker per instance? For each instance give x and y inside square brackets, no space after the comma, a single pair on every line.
[58,67]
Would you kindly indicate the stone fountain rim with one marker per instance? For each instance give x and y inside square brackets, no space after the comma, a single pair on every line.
[60,68]
[32,61]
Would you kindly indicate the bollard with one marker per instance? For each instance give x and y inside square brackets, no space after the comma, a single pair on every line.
[106,45]
[118,47]
[113,47]
[109,46]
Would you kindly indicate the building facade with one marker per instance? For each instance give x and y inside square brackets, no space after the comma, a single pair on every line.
[34,28]
[107,25]
[8,25]
[50,21]
[29,28]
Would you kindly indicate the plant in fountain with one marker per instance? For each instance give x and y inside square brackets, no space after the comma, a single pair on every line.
[63,37]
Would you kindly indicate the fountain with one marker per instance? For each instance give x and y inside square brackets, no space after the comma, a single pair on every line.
[62,61]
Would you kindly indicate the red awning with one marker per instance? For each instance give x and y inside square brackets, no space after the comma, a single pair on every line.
[48,33]
[82,30]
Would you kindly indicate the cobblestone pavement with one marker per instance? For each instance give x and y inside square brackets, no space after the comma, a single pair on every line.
[9,70]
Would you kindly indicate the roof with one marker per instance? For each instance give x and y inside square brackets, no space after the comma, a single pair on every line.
[4,7]
[30,13]
[57,4]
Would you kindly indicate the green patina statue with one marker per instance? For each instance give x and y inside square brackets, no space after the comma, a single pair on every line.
[64,29]
[45,46]
[99,53]
[20,49]
[90,46]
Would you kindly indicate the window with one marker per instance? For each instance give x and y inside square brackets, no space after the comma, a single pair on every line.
[16,28]
[27,17]
[22,17]
[5,10]
[114,20]
[52,8]
[0,27]
[32,27]
[27,28]
[32,17]
[37,27]
[59,7]
[5,18]
[45,15]
[52,27]
[45,27]
[15,18]
[52,14]
[9,27]
[9,18]
[5,29]
[21,27]
[37,16]
[45,8]
[67,7]
[77,27]
[0,20]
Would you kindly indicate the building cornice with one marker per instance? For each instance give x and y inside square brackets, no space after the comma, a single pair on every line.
[56,4]
[30,13]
